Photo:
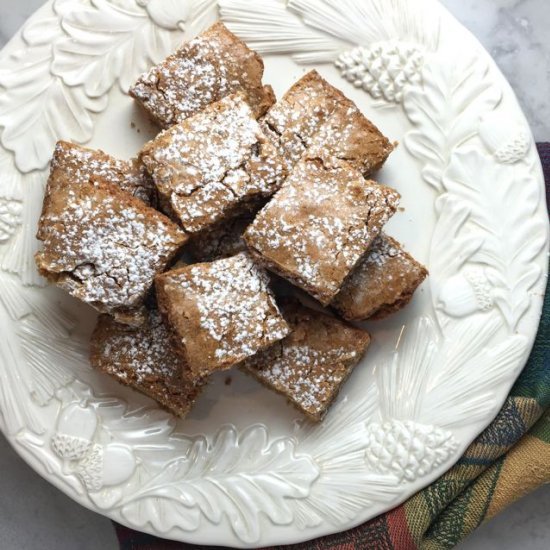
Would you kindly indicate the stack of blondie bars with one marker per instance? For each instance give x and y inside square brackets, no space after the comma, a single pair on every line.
[179,248]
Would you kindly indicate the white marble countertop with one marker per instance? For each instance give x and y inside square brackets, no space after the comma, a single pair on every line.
[35,516]
[516,33]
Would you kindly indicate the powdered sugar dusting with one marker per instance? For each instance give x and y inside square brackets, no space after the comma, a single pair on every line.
[293,121]
[310,365]
[349,136]
[320,224]
[205,82]
[104,248]
[81,165]
[204,70]
[387,276]
[213,164]
[314,116]
[306,375]
[145,359]
[146,352]
[236,312]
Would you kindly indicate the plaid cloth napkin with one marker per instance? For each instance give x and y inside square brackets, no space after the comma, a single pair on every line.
[508,460]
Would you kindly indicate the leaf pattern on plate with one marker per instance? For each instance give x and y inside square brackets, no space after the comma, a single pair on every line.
[37,108]
[319,31]
[448,108]
[106,43]
[320,475]
[236,476]
[57,83]
[508,247]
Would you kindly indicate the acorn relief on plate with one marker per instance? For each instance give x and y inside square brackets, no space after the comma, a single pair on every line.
[106,466]
[466,293]
[75,432]
[508,140]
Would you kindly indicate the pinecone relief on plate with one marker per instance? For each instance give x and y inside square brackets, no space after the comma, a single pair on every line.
[383,69]
[408,450]
[10,218]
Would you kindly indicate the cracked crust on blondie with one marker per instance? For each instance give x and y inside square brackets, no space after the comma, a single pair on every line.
[210,67]
[214,165]
[104,246]
[316,117]
[382,284]
[310,366]
[72,163]
[220,313]
[320,225]
[144,359]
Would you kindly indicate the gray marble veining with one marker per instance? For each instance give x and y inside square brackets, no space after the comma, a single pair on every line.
[517,34]
[35,515]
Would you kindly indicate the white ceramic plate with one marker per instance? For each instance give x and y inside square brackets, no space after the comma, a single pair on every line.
[243,470]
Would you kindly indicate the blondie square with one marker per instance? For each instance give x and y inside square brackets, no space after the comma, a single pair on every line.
[348,135]
[220,313]
[144,359]
[312,363]
[104,246]
[214,165]
[313,113]
[383,283]
[208,68]
[72,163]
[320,225]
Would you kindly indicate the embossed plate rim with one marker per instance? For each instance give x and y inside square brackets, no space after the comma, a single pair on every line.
[277,484]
